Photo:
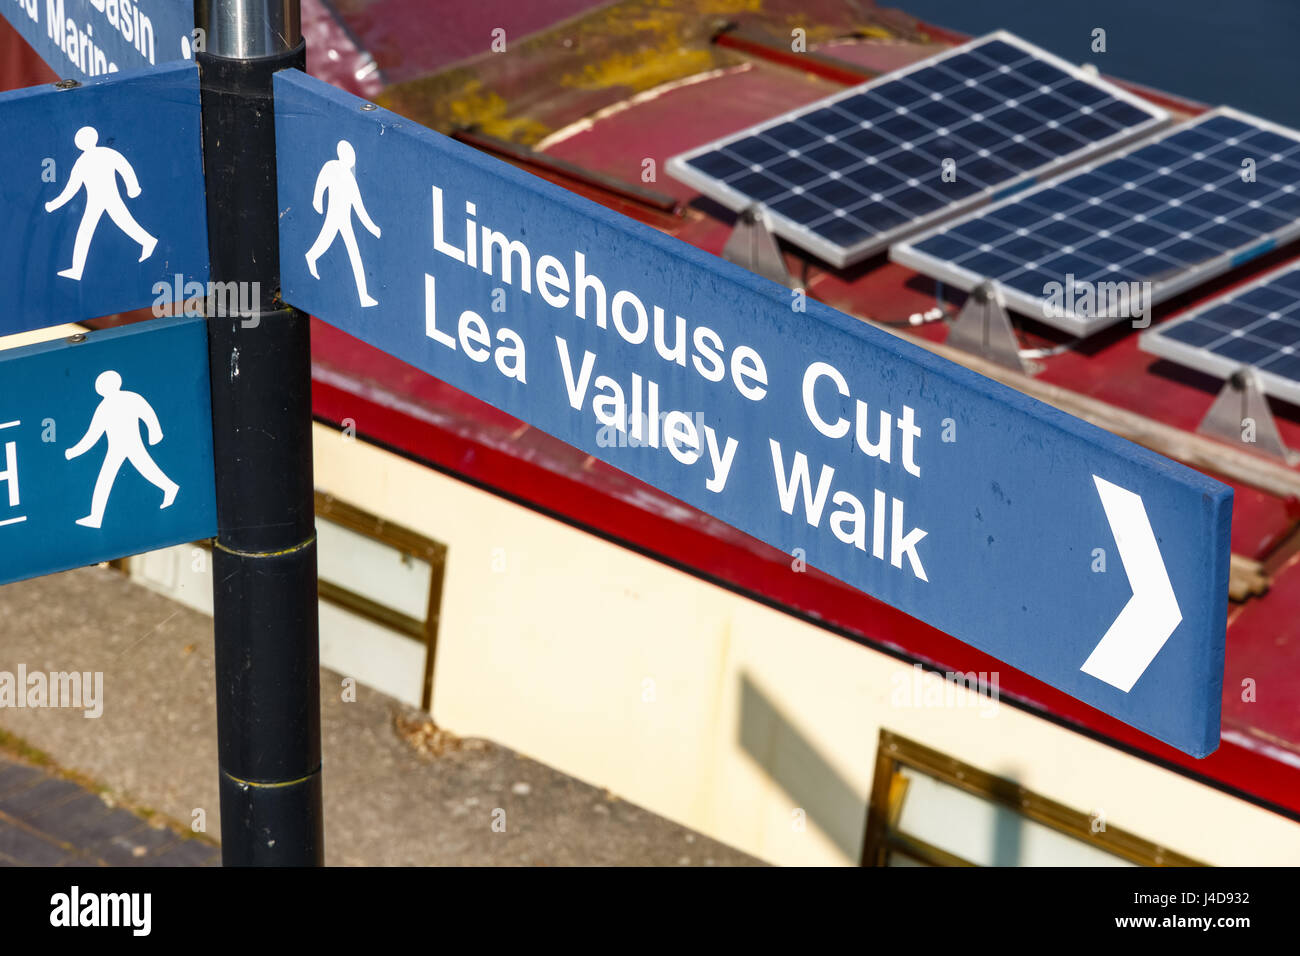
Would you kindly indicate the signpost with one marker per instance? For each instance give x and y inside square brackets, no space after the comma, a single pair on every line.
[266,634]
[105,447]
[1086,561]
[84,39]
[101,197]
[109,196]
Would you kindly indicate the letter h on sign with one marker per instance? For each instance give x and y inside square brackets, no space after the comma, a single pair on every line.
[9,470]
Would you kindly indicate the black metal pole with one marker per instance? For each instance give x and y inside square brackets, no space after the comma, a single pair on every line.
[264,557]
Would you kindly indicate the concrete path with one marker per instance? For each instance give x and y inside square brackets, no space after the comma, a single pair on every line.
[386,802]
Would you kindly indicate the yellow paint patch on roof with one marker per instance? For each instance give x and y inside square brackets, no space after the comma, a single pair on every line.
[642,69]
[473,105]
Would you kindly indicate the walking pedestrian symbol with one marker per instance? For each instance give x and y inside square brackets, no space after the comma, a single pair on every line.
[96,170]
[337,195]
[103,199]
[118,418]
[46,399]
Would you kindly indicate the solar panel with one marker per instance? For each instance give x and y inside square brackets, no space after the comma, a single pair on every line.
[1256,325]
[845,176]
[1185,205]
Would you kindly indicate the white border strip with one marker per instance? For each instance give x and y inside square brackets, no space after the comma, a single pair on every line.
[646,96]
[843,256]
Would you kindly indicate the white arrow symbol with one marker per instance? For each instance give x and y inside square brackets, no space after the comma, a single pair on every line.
[1133,641]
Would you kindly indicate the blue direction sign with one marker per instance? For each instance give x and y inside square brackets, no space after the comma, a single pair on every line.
[82,39]
[105,447]
[1057,547]
[102,198]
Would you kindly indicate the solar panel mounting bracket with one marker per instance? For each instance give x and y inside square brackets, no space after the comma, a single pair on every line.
[1241,416]
[984,328]
[752,245]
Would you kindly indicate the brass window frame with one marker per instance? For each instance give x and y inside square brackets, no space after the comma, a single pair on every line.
[888,791]
[408,542]
[401,539]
